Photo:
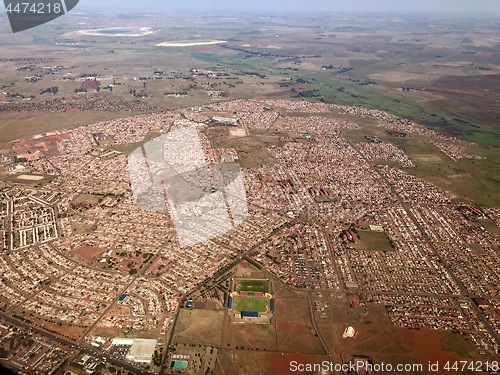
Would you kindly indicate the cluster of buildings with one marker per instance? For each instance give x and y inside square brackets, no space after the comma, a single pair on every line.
[28,218]
[299,255]
[89,102]
[434,249]
[79,271]
[455,149]
[36,354]
[384,152]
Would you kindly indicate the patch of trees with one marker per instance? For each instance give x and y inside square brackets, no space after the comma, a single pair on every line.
[259,75]
[17,95]
[344,69]
[26,68]
[50,90]
[309,94]
[157,357]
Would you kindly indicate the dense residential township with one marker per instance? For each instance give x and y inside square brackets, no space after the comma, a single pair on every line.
[81,262]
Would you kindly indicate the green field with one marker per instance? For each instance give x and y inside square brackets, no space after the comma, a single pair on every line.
[259,304]
[252,150]
[15,125]
[473,180]
[375,241]
[252,286]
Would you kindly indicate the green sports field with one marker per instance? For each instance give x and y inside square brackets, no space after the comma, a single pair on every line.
[259,304]
[252,286]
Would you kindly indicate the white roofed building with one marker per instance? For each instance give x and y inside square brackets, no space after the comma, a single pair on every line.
[142,350]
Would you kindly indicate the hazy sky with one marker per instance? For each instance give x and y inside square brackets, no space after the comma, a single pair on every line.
[487,7]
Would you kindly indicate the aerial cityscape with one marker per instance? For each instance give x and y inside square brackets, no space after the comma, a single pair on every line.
[229,190]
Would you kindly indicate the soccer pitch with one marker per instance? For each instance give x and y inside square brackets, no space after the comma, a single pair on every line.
[241,303]
[252,286]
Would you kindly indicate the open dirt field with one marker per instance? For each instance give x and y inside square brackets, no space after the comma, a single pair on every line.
[293,324]
[195,326]
[17,125]
[377,338]
[264,363]
[92,199]
[398,345]
[238,132]
[428,158]
[252,150]
[372,240]
[250,336]
[89,252]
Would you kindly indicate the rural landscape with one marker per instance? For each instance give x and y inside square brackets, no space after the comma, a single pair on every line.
[366,235]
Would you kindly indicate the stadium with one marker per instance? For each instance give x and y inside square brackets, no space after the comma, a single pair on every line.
[251,302]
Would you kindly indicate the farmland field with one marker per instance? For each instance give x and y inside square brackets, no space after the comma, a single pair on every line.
[451,82]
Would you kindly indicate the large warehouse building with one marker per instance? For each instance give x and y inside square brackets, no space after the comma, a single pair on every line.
[142,350]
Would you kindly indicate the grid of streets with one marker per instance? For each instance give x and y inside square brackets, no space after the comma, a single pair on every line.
[80,257]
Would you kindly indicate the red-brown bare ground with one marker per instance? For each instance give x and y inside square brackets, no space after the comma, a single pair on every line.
[280,362]
[89,252]
[426,346]
[294,327]
[250,336]
[245,362]
[123,265]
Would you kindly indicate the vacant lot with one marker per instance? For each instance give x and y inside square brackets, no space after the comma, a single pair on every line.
[89,252]
[91,198]
[294,327]
[371,240]
[199,326]
[14,125]
[250,336]
[428,158]
[252,150]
